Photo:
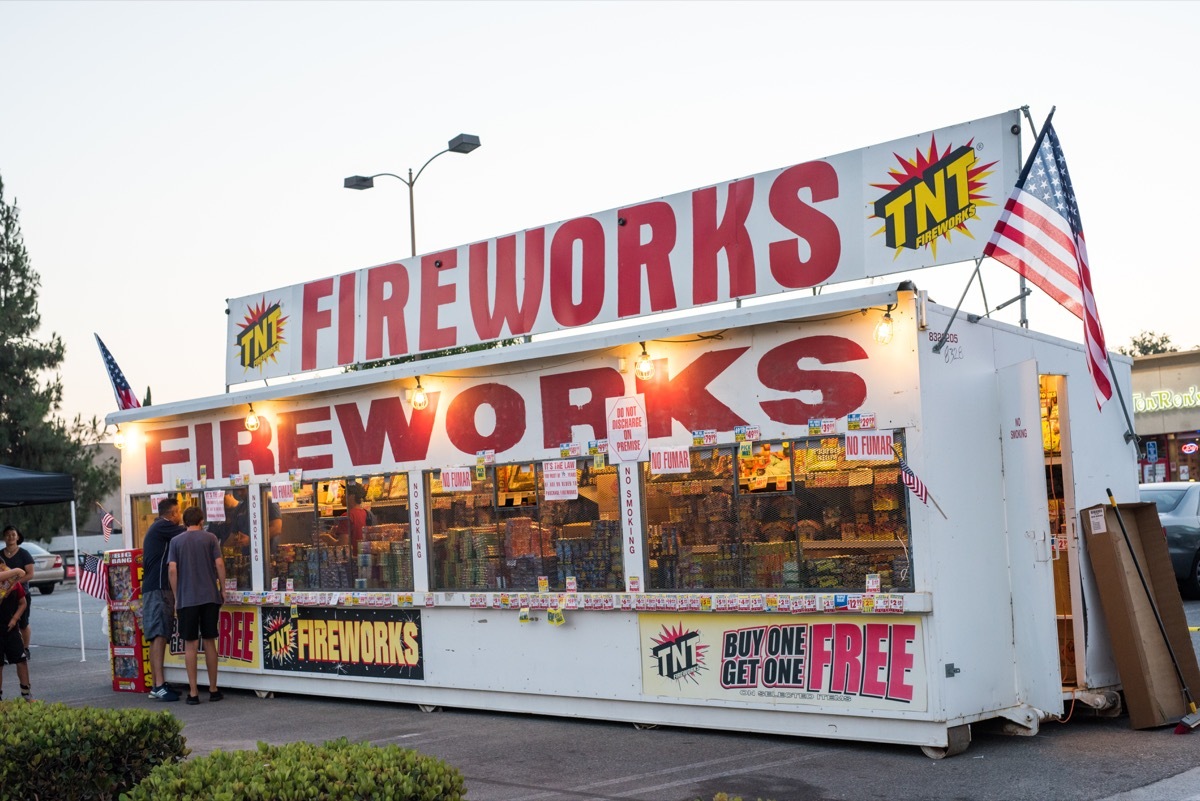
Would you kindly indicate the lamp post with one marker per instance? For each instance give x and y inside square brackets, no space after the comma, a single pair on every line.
[463,143]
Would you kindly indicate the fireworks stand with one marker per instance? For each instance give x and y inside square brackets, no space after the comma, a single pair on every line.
[796,516]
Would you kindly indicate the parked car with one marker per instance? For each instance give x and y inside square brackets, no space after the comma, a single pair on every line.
[48,570]
[1178,505]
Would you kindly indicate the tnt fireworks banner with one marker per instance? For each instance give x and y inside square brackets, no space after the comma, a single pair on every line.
[800,660]
[916,202]
[377,643]
[237,639]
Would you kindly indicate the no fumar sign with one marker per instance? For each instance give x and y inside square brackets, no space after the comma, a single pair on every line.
[627,431]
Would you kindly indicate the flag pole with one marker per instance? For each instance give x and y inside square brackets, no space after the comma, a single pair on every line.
[78,592]
[1130,436]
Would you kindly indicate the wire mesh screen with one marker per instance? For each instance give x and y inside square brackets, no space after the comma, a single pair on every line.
[786,515]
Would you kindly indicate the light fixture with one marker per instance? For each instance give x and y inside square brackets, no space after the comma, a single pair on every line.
[118,439]
[419,399]
[883,331]
[463,143]
[643,368]
[252,420]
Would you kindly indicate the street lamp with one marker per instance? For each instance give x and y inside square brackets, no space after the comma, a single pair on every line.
[463,143]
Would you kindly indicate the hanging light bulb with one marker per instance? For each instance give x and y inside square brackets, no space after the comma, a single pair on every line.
[252,420]
[883,331]
[419,399]
[644,367]
[118,439]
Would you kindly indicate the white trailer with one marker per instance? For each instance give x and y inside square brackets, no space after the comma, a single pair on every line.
[755,556]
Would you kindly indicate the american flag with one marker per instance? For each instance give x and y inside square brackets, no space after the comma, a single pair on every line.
[913,482]
[125,397]
[93,577]
[106,525]
[1040,235]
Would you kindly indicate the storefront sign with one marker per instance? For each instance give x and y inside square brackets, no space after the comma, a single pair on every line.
[773,375]
[831,660]
[628,430]
[214,506]
[355,641]
[903,205]
[560,481]
[456,479]
[237,639]
[870,446]
[671,460]
[1164,399]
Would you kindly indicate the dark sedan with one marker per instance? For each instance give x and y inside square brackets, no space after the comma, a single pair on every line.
[1178,505]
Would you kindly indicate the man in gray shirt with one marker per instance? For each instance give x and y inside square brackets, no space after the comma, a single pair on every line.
[197,574]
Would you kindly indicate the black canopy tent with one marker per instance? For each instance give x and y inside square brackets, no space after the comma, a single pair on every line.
[31,488]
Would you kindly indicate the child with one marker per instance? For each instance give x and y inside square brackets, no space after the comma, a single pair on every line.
[12,648]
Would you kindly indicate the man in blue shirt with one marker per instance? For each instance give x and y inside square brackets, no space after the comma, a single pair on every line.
[158,602]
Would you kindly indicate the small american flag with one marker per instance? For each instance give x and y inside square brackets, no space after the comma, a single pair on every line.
[913,482]
[106,525]
[1040,235]
[93,577]
[125,397]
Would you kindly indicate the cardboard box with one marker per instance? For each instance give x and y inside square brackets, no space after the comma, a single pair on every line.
[1149,674]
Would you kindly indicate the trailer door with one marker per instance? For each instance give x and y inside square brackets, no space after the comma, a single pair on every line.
[1039,681]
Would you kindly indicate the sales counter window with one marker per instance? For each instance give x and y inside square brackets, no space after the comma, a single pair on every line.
[785,515]
[342,534]
[503,527]
[233,535]
[235,553]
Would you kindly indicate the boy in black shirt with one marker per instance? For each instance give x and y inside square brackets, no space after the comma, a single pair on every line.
[12,648]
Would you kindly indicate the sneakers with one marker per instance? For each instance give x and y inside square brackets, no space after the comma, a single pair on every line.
[192,700]
[216,695]
[165,693]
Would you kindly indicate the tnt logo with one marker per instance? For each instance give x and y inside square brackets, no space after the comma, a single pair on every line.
[931,196]
[261,336]
[677,654]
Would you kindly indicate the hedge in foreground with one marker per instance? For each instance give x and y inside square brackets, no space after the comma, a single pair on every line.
[336,771]
[53,751]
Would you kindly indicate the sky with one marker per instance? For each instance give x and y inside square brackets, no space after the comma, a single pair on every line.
[168,156]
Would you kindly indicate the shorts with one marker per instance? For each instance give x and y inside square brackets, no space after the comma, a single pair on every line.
[158,614]
[12,647]
[199,622]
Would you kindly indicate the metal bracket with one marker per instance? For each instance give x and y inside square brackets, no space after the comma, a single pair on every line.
[951,670]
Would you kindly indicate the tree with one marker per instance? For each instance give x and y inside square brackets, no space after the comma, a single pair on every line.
[1147,343]
[33,435]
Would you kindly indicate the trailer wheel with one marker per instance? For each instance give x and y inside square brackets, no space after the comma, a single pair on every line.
[429,708]
[959,738]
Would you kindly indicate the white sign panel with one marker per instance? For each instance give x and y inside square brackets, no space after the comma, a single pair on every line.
[869,446]
[628,432]
[911,203]
[560,480]
[456,479]
[282,492]
[670,460]
[214,506]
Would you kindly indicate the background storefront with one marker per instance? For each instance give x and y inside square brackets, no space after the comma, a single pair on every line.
[1166,409]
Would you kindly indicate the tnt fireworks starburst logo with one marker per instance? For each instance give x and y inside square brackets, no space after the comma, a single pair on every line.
[261,336]
[678,654]
[279,638]
[931,196]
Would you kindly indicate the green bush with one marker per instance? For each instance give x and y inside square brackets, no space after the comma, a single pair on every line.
[60,752]
[336,771]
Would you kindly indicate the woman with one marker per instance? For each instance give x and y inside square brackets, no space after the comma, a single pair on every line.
[16,557]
